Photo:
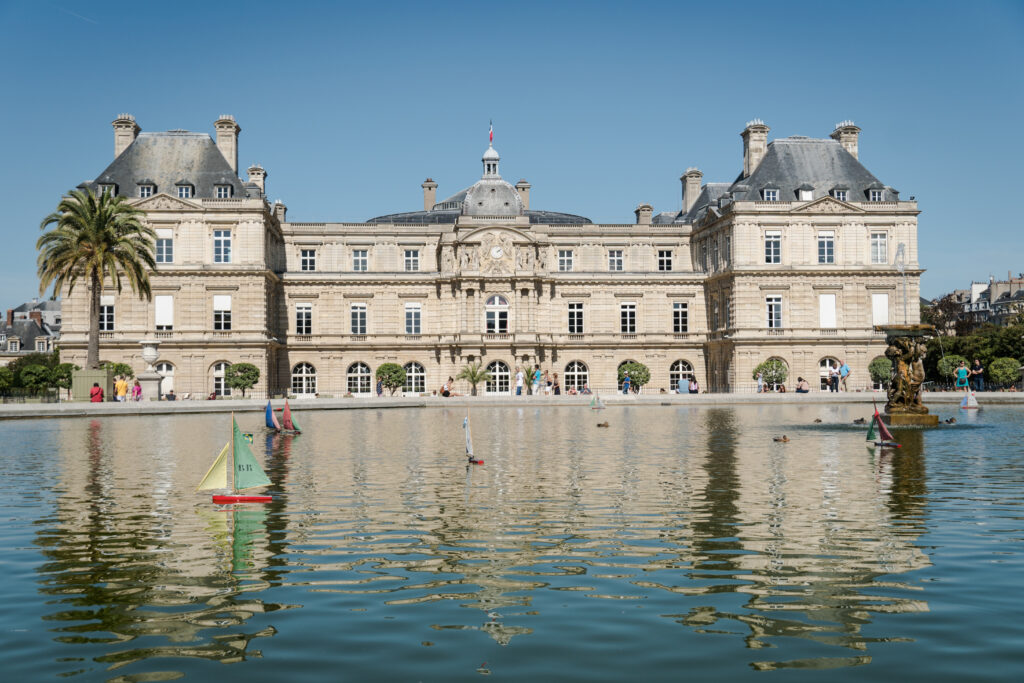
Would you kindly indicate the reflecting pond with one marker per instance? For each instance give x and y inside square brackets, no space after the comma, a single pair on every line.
[677,543]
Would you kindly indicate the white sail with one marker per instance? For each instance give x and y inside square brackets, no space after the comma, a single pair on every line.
[469,437]
[217,476]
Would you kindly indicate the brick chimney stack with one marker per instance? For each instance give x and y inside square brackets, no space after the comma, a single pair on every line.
[37,316]
[125,132]
[10,317]
[523,188]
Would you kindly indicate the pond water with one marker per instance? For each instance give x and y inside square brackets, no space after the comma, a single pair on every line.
[677,543]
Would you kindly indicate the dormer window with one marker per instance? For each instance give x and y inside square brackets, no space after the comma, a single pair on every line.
[770,194]
[805,192]
[223,191]
[147,190]
[108,189]
[184,191]
[875,195]
[841,195]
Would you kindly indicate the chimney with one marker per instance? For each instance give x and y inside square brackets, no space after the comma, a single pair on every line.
[280,210]
[429,194]
[227,139]
[643,214]
[37,316]
[10,317]
[755,144]
[846,135]
[125,132]
[259,176]
[691,187]
[523,188]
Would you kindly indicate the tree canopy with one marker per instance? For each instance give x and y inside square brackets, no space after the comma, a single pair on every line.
[639,374]
[242,376]
[773,371]
[392,376]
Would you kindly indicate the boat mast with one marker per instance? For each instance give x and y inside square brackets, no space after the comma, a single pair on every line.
[231,456]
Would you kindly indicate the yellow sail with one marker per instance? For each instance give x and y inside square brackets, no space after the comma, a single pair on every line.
[217,476]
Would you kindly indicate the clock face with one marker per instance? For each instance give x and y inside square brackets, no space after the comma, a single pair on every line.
[497,252]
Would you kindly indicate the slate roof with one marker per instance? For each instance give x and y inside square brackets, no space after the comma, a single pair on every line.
[26,331]
[164,159]
[709,195]
[431,217]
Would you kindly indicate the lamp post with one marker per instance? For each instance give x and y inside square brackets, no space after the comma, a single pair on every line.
[900,261]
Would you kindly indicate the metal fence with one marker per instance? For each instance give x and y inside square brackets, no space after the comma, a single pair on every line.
[22,395]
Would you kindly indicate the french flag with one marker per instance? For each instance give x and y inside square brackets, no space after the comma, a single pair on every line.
[491,133]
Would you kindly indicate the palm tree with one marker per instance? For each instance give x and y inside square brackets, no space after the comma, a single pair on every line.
[473,374]
[97,239]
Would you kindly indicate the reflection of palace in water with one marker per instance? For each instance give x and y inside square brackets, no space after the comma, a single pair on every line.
[375,510]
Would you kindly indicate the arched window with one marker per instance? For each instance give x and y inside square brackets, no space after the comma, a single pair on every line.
[166,372]
[680,370]
[359,378]
[496,315]
[618,381]
[823,365]
[220,386]
[499,382]
[576,375]
[415,378]
[877,386]
[304,380]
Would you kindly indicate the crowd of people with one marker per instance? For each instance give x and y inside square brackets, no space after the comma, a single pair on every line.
[122,391]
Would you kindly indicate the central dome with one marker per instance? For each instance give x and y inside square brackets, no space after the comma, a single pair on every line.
[492,197]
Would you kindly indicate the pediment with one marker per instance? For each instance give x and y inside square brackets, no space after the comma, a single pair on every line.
[501,233]
[165,202]
[827,205]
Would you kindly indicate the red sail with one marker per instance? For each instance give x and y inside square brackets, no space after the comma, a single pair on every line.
[286,418]
[882,429]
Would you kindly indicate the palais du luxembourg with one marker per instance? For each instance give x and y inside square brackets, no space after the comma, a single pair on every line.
[798,258]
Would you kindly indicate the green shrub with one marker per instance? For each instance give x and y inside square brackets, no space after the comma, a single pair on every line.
[1004,371]
[639,374]
[392,376]
[880,370]
[948,365]
[773,371]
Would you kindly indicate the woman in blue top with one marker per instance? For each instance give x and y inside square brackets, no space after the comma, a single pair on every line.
[961,375]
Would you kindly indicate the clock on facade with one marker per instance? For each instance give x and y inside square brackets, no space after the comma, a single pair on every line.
[497,252]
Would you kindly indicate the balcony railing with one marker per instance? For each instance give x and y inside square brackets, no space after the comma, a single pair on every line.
[776,332]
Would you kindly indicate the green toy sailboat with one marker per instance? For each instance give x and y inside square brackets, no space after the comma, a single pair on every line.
[246,471]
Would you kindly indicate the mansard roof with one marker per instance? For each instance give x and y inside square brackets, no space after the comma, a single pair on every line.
[25,330]
[167,159]
[790,163]
[450,216]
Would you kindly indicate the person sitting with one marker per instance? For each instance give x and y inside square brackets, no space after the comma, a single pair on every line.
[802,387]
[694,387]
[572,391]
[585,390]
[170,396]
[212,396]
[782,388]
[96,393]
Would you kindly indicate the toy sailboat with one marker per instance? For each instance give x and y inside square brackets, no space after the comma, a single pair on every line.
[246,471]
[469,443]
[271,418]
[970,402]
[288,423]
[596,403]
[887,439]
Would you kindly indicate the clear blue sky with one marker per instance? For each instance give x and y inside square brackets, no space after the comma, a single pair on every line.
[600,106]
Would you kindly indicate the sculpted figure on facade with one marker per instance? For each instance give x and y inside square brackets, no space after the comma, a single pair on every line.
[447,260]
[497,253]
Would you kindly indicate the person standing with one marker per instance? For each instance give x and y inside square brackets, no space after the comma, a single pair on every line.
[547,383]
[136,391]
[760,382]
[962,373]
[844,372]
[519,381]
[380,387]
[536,379]
[833,376]
[556,386]
[96,393]
[121,389]
[625,384]
[978,375]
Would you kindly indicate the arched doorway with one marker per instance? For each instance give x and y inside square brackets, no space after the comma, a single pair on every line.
[415,379]
[166,372]
[220,385]
[359,379]
[304,380]
[576,376]
[823,374]
[680,370]
[500,381]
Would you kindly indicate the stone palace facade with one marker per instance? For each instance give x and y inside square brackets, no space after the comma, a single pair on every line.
[797,259]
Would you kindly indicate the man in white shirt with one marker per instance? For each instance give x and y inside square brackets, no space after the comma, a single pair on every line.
[519,381]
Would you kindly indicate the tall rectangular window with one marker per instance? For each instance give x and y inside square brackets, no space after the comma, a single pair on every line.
[222,312]
[704,256]
[358,318]
[728,311]
[303,318]
[773,246]
[627,318]
[714,253]
[222,246]
[307,259]
[664,259]
[879,248]
[879,309]
[565,260]
[164,245]
[715,319]
[412,260]
[826,246]
[680,317]
[360,260]
[827,311]
[106,318]
[615,260]
[727,250]
[413,313]
[575,318]
[163,312]
[774,305]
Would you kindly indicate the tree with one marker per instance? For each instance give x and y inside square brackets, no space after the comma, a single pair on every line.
[98,239]
[242,376]
[880,370]
[943,314]
[35,377]
[773,371]
[474,374]
[639,374]
[60,376]
[120,369]
[47,360]
[6,379]
[947,366]
[1004,371]
[392,376]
